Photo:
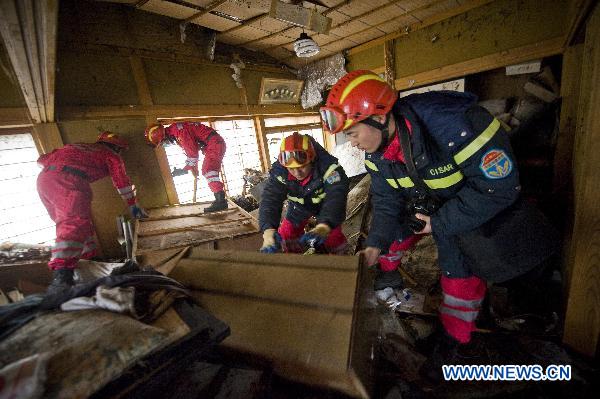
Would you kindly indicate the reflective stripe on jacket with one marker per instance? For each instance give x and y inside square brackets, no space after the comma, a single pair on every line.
[450,137]
[324,196]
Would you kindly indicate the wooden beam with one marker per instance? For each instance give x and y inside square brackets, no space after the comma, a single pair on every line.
[28,30]
[109,49]
[582,320]
[208,9]
[492,61]
[263,146]
[276,129]
[580,10]
[47,137]
[467,6]
[165,172]
[141,82]
[14,117]
[181,111]
[389,56]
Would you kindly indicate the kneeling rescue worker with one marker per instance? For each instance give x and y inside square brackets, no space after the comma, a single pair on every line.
[315,185]
[64,188]
[439,164]
[194,137]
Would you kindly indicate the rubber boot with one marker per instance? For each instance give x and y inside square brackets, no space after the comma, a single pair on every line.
[391,279]
[62,279]
[219,204]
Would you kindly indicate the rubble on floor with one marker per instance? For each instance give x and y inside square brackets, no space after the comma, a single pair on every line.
[16,252]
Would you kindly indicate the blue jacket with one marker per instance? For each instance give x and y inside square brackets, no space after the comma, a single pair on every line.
[324,196]
[463,154]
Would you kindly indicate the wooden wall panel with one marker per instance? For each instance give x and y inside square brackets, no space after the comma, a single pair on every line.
[582,324]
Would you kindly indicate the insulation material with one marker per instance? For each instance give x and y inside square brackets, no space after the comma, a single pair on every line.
[319,75]
[351,158]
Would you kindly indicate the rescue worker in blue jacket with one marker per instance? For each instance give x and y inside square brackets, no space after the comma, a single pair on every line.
[315,185]
[467,174]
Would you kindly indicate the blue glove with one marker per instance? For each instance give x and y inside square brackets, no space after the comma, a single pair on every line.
[137,212]
[271,242]
[316,237]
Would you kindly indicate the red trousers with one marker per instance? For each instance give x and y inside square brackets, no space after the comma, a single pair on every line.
[68,199]
[335,243]
[211,166]
[461,305]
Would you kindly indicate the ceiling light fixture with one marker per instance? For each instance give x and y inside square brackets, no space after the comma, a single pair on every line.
[305,47]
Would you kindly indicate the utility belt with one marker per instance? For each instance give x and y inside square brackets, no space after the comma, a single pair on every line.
[68,169]
[204,143]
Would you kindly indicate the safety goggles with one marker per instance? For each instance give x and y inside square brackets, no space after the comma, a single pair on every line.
[296,158]
[334,120]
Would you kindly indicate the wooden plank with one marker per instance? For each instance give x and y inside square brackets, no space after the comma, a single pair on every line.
[179,211]
[582,321]
[188,231]
[127,111]
[194,237]
[305,314]
[48,17]
[309,286]
[493,61]
[167,267]
[190,223]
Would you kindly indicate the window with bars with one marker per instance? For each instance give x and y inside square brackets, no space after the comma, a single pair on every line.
[242,152]
[279,128]
[23,217]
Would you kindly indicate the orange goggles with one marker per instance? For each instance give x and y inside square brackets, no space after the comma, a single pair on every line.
[293,158]
[333,119]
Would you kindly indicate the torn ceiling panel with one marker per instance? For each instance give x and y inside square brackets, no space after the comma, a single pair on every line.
[247,23]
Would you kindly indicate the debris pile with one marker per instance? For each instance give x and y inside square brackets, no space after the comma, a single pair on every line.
[14,253]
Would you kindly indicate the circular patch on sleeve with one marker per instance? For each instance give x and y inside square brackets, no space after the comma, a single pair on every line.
[496,164]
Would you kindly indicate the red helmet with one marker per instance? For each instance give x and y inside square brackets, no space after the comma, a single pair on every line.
[155,134]
[112,138]
[296,150]
[354,98]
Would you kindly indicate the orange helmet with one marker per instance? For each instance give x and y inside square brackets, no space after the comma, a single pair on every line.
[112,138]
[296,151]
[155,134]
[354,98]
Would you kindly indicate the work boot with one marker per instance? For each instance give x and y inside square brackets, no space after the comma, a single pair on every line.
[62,279]
[391,279]
[219,204]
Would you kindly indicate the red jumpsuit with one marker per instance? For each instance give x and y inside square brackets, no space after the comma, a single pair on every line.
[64,188]
[194,137]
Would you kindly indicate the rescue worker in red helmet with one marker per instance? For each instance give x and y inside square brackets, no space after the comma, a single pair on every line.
[315,185]
[439,164]
[64,188]
[194,137]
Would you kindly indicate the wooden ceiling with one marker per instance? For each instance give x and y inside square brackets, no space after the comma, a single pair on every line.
[247,23]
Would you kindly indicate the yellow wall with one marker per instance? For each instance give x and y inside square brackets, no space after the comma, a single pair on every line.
[489,29]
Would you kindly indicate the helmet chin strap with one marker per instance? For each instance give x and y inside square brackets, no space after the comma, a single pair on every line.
[383,129]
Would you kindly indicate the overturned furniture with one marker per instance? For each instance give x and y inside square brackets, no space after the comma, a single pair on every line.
[308,315]
[184,225]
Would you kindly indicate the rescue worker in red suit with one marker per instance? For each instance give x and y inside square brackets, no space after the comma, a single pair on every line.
[462,154]
[194,137]
[64,188]
[315,185]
